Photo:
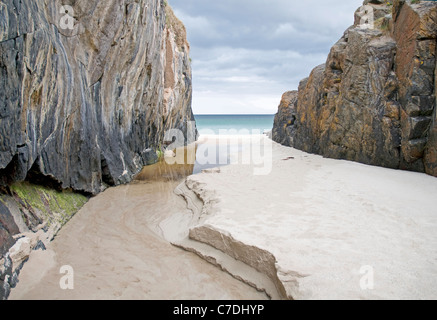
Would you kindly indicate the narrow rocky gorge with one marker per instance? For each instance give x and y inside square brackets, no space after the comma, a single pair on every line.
[374,100]
[88,90]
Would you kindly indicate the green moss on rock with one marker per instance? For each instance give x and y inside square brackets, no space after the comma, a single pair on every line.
[51,205]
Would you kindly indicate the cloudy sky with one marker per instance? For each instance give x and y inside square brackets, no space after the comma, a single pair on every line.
[247,53]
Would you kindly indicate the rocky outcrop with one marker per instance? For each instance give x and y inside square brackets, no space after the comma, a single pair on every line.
[30,217]
[430,158]
[286,117]
[374,99]
[88,90]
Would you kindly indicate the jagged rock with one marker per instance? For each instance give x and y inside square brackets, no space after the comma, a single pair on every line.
[8,228]
[20,252]
[285,119]
[430,158]
[6,276]
[87,106]
[40,246]
[374,99]
[10,269]
[33,215]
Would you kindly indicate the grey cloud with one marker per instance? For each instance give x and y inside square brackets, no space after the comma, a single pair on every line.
[258,47]
[258,23]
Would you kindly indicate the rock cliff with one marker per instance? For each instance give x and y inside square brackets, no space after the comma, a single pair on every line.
[88,103]
[88,90]
[373,101]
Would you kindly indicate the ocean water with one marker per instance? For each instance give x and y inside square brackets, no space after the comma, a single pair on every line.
[234,124]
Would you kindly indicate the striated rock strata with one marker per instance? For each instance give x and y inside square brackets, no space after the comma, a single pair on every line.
[374,101]
[87,106]
[88,90]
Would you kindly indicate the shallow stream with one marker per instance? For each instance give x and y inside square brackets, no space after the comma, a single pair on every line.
[116,250]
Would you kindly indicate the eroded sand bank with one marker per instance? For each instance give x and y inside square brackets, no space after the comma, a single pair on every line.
[116,249]
[321,228]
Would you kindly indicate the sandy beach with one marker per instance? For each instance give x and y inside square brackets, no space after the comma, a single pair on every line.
[186,150]
[291,224]
[117,251]
[322,228]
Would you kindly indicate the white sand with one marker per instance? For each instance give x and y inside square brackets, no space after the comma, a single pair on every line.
[309,227]
[332,226]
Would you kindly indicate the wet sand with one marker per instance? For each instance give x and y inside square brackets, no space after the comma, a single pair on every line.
[312,228]
[116,249]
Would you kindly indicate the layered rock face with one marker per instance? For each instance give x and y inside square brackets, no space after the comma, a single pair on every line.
[89,88]
[374,100]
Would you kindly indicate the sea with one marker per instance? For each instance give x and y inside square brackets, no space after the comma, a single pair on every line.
[246,124]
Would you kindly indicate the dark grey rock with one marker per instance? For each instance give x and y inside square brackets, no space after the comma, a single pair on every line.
[85,108]
[84,105]
[8,229]
[40,246]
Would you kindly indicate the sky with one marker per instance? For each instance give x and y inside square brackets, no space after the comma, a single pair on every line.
[247,53]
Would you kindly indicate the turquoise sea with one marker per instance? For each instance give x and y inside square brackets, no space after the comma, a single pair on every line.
[234,124]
